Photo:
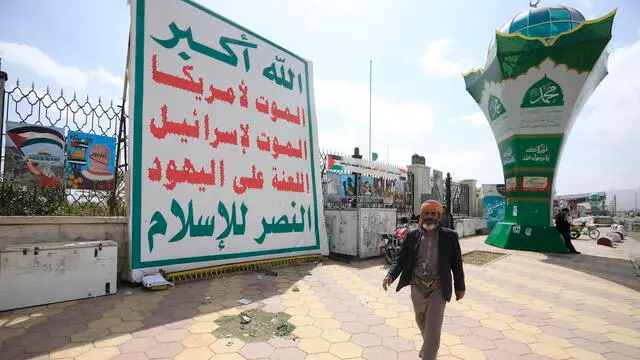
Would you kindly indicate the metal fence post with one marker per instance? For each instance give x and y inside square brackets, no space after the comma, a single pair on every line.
[3,80]
[448,199]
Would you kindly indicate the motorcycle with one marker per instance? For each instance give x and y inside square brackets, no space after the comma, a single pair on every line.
[390,244]
[590,230]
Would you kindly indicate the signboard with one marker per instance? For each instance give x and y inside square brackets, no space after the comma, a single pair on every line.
[493,202]
[535,184]
[224,143]
[345,164]
[34,155]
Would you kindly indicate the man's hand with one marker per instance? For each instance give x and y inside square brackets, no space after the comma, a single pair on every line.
[386,282]
[459,295]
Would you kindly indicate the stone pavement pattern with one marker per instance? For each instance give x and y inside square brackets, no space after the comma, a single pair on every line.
[525,306]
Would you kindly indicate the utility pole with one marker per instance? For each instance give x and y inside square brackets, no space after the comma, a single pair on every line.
[370,89]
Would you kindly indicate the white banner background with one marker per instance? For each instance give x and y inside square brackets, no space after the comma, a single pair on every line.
[194,79]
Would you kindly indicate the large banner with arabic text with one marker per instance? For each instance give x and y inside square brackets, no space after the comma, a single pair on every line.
[224,143]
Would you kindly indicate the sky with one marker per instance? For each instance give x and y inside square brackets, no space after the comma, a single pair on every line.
[418,48]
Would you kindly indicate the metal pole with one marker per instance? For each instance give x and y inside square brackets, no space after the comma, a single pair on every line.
[3,80]
[121,132]
[370,89]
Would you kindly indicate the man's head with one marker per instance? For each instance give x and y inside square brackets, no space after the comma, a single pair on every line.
[565,211]
[430,214]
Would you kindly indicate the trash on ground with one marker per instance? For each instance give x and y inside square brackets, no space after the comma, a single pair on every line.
[295,289]
[229,343]
[258,324]
[127,293]
[365,300]
[245,301]
[259,277]
[270,273]
[207,300]
[309,273]
[156,282]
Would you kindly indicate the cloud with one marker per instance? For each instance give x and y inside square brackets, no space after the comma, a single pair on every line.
[588,4]
[34,60]
[478,164]
[474,118]
[312,16]
[343,117]
[107,78]
[435,61]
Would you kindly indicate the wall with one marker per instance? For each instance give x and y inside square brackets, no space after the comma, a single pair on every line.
[421,184]
[29,229]
[355,232]
[372,223]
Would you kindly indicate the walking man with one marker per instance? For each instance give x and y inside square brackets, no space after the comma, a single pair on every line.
[428,257]
[564,228]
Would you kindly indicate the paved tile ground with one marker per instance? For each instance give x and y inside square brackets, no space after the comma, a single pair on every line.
[525,306]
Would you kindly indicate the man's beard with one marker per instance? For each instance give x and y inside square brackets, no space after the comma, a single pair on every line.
[429,224]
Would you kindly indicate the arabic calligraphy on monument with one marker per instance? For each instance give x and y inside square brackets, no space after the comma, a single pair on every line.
[543,93]
[538,153]
[507,157]
[496,108]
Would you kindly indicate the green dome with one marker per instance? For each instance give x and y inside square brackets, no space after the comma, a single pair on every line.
[544,21]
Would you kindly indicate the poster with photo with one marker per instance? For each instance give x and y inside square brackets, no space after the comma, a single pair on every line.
[90,161]
[34,155]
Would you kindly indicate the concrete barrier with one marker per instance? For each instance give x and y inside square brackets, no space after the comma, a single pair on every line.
[469,226]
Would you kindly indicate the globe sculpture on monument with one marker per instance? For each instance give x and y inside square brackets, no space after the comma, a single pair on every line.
[541,68]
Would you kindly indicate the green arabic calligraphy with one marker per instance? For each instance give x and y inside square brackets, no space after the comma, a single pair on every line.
[238,229]
[496,108]
[228,57]
[205,226]
[282,225]
[271,73]
[543,93]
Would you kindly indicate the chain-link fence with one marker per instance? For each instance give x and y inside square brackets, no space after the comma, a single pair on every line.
[32,106]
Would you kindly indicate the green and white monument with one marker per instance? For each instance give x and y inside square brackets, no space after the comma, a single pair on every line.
[541,68]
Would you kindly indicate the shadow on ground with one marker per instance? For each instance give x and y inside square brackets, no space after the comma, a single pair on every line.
[109,322]
[619,271]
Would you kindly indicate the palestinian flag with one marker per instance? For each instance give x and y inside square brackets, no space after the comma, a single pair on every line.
[333,163]
[23,136]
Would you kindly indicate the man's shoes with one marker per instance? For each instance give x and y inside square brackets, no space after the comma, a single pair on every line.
[575,252]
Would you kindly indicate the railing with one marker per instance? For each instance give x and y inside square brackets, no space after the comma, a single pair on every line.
[42,107]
